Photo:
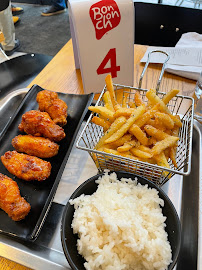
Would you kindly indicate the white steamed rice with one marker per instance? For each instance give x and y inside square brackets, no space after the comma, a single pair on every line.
[121,226]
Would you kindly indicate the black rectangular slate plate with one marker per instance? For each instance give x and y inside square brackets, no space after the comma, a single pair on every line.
[40,194]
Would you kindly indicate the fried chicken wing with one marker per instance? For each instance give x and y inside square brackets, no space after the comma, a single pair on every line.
[26,167]
[40,124]
[10,199]
[35,146]
[57,109]
[45,99]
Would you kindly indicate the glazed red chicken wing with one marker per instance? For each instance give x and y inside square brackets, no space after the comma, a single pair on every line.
[10,199]
[35,146]
[57,109]
[40,124]
[26,167]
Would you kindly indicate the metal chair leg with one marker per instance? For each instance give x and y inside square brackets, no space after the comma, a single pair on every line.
[4,54]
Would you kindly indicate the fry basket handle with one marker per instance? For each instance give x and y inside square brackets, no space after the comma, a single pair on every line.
[162,70]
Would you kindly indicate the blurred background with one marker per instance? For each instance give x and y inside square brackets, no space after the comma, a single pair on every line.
[47,35]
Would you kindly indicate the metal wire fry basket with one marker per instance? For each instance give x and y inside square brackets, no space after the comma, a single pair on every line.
[92,133]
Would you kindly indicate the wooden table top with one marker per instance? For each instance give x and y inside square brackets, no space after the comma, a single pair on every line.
[60,75]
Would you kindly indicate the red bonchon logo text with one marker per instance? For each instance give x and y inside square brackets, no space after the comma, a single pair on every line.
[105,16]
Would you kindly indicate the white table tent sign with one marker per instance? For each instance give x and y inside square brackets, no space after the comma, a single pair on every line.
[103,41]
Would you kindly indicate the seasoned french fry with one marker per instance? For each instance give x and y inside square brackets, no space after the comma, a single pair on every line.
[102,117]
[144,149]
[131,104]
[124,154]
[128,145]
[107,101]
[176,120]
[119,133]
[110,88]
[167,152]
[151,122]
[117,143]
[175,132]
[116,107]
[156,123]
[113,128]
[153,90]
[149,104]
[168,131]
[145,117]
[156,133]
[152,141]
[104,146]
[162,145]
[154,99]
[106,113]
[139,153]
[122,140]
[170,95]
[138,99]
[162,161]
[147,150]
[139,134]
[124,112]
[124,103]
[120,93]
[172,156]
[165,119]
[101,122]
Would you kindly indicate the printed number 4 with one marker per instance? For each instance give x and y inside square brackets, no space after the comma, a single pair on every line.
[111,56]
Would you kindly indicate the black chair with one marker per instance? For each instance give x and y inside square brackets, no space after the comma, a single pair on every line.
[163,25]
[15,74]
[18,72]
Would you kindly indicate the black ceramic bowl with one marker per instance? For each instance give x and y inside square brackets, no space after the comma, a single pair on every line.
[69,239]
